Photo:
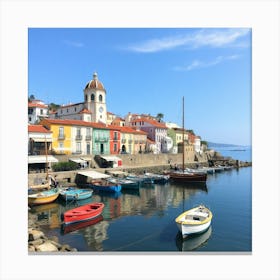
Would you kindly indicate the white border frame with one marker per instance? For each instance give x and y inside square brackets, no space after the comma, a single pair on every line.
[260,15]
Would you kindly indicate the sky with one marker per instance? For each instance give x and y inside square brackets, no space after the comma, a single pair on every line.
[150,70]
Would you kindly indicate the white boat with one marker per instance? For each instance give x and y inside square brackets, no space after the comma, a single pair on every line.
[194,221]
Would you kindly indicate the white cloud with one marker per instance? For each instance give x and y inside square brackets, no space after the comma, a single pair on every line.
[215,38]
[196,64]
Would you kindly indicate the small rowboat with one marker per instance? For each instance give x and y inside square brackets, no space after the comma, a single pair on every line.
[69,194]
[194,221]
[43,197]
[83,213]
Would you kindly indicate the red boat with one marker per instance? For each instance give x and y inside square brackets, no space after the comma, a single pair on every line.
[76,226]
[82,213]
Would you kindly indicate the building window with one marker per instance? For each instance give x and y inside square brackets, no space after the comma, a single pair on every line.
[115,135]
[92,97]
[115,147]
[61,146]
[61,132]
[41,111]
[100,98]
[30,111]
[78,147]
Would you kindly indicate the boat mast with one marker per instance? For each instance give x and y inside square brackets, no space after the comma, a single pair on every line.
[46,151]
[183,137]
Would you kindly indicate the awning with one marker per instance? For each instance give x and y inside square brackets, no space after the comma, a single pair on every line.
[86,158]
[93,174]
[37,139]
[77,160]
[41,159]
[111,158]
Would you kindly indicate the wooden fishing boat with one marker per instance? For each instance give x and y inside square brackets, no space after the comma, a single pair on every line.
[71,193]
[125,183]
[83,213]
[182,176]
[185,177]
[194,221]
[105,186]
[66,228]
[43,197]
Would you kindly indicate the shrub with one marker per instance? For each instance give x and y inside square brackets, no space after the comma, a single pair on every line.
[65,166]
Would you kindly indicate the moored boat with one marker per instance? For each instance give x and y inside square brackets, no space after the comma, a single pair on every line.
[43,197]
[66,228]
[105,185]
[71,193]
[194,221]
[186,177]
[83,213]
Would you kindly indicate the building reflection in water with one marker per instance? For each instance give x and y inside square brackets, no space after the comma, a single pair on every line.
[146,201]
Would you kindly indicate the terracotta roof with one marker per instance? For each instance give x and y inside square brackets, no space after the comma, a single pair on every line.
[36,105]
[95,83]
[76,122]
[85,111]
[151,122]
[38,128]
[128,129]
[70,105]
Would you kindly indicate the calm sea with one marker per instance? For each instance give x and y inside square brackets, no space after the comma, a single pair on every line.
[144,220]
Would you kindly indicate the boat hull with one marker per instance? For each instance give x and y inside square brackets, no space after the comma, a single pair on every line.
[83,213]
[194,221]
[42,197]
[106,188]
[186,177]
[187,230]
[75,194]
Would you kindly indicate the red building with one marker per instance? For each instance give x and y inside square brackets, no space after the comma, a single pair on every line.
[115,139]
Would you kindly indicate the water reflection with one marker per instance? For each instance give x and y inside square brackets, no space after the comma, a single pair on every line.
[146,201]
[194,242]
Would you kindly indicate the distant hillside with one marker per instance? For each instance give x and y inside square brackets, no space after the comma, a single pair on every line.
[221,145]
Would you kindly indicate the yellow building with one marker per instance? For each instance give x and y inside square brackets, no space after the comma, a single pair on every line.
[61,131]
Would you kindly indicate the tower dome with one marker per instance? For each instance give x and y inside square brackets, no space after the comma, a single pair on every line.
[95,83]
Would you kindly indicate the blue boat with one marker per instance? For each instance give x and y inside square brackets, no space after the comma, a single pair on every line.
[71,193]
[105,186]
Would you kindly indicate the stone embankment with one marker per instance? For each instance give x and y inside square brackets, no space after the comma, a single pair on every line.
[39,242]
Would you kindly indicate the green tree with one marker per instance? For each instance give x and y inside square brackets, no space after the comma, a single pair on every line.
[159,116]
[31,97]
[53,107]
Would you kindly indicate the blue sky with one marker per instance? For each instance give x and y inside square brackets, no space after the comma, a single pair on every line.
[149,70]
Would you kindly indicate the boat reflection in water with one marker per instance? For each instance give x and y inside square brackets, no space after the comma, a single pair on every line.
[192,242]
[79,225]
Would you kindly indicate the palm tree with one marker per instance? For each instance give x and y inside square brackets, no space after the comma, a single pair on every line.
[159,117]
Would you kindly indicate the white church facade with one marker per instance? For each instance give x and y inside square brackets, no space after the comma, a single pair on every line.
[93,109]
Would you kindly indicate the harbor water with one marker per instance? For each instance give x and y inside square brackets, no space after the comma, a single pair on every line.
[144,220]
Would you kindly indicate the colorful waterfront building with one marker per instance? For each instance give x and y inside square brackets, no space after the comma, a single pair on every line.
[70,137]
[156,131]
[115,138]
[100,139]
[133,140]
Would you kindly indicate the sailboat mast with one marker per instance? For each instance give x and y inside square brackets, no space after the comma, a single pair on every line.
[183,135]
[46,151]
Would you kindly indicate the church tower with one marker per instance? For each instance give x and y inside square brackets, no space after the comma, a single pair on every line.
[95,100]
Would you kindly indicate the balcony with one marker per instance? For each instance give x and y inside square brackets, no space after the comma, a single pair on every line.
[130,141]
[88,137]
[101,139]
[123,140]
[79,137]
[61,137]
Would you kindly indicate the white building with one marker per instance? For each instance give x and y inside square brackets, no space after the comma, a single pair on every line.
[36,110]
[92,109]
